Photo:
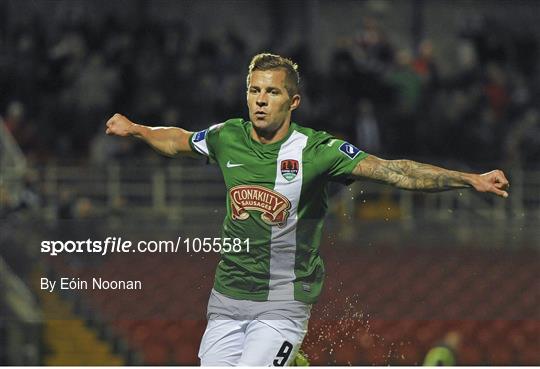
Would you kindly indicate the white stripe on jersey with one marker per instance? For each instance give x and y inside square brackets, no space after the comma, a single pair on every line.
[283,241]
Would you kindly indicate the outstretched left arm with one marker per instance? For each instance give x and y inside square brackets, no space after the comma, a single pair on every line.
[411,175]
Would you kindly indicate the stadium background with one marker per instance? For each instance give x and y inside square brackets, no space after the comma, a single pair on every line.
[450,83]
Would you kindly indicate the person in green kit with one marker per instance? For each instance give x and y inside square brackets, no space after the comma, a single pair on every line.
[276,174]
[444,353]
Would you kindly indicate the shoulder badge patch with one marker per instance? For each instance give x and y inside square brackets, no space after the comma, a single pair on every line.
[350,150]
[199,136]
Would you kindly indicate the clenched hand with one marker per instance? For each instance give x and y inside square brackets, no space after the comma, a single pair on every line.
[119,125]
[494,182]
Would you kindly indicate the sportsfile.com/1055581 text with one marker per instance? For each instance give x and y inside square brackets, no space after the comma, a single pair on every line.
[119,245]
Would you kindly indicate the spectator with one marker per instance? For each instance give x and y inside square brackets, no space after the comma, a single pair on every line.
[444,353]
[407,88]
[76,71]
[367,128]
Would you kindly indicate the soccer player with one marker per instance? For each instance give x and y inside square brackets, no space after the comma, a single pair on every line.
[276,173]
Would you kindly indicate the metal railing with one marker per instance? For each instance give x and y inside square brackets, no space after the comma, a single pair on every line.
[187,185]
[190,194]
[176,191]
[184,185]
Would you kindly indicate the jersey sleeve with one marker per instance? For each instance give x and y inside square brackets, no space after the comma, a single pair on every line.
[206,142]
[338,158]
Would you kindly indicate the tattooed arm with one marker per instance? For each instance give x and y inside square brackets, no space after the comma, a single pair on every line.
[410,175]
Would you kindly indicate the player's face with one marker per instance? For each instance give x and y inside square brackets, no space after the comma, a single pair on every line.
[269,103]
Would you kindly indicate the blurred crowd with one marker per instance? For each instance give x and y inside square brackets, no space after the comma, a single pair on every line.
[62,81]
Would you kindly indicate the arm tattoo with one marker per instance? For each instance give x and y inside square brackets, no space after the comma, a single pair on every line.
[410,175]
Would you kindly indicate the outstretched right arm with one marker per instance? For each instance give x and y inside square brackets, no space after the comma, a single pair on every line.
[168,141]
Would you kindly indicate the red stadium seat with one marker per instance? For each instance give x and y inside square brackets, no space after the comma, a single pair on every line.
[380,354]
[186,353]
[530,355]
[500,355]
[348,354]
[470,355]
[407,354]
[396,285]
[156,354]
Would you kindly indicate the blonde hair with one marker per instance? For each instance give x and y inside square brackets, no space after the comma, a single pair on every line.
[267,61]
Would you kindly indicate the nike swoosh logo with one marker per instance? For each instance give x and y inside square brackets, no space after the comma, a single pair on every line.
[230,165]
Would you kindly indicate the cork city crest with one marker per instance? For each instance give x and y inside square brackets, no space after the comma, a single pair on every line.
[289,169]
[274,207]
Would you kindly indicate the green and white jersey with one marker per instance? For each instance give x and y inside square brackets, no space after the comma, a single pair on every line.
[276,198]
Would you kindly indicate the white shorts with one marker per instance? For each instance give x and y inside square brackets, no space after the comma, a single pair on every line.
[252,333]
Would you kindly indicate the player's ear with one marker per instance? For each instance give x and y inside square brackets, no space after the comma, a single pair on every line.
[295,102]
